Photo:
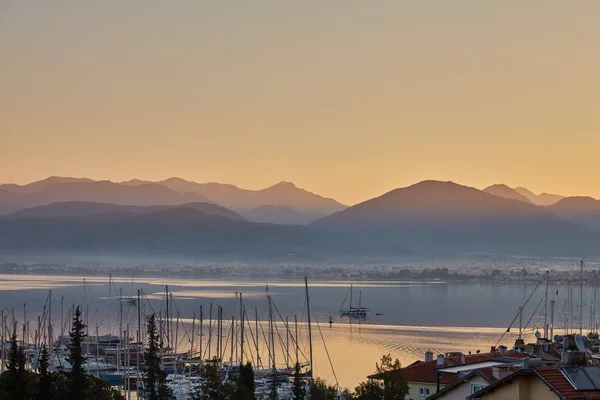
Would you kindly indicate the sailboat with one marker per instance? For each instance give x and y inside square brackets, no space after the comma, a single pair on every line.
[353,312]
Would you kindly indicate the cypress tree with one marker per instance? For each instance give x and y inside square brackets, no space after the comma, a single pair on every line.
[299,389]
[245,388]
[13,381]
[157,384]
[76,359]
[44,379]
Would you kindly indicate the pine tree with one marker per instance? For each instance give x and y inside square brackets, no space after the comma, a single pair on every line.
[13,381]
[44,379]
[157,384]
[77,378]
[211,387]
[299,389]
[245,388]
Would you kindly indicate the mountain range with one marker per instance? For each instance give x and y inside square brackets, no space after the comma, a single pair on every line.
[290,204]
[179,217]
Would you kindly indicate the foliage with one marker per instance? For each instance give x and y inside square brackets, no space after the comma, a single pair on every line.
[157,384]
[320,390]
[76,358]
[211,386]
[17,382]
[245,386]
[369,390]
[394,385]
[299,389]
[45,379]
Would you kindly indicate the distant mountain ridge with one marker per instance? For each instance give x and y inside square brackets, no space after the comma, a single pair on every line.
[86,209]
[542,199]
[96,191]
[583,210]
[506,192]
[430,218]
[444,217]
[238,199]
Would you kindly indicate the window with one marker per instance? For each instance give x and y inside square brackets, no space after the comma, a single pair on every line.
[475,388]
[424,392]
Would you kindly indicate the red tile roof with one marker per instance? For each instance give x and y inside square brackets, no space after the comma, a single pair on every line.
[426,371]
[552,377]
[556,380]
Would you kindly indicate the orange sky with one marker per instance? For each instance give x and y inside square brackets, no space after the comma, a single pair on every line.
[345,98]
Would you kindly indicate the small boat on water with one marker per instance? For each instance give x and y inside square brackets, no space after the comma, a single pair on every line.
[353,312]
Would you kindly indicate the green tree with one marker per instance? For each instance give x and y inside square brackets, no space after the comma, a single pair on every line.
[157,384]
[394,385]
[76,359]
[211,386]
[369,390]
[299,389]
[44,378]
[15,383]
[245,386]
[320,390]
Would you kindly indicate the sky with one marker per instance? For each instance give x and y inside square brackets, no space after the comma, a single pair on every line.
[346,98]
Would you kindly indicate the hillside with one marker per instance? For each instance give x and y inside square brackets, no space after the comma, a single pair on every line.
[84,209]
[282,215]
[446,218]
[506,192]
[178,231]
[583,210]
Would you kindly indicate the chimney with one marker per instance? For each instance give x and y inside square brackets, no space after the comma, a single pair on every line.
[501,371]
[428,356]
[440,359]
[493,349]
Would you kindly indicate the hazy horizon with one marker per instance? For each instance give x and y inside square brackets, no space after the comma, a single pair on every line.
[345,99]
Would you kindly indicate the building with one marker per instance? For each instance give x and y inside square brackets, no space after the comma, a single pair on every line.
[430,376]
[473,381]
[565,383]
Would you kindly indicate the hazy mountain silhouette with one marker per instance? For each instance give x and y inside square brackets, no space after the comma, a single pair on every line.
[584,210]
[542,199]
[435,217]
[177,231]
[44,183]
[85,208]
[283,215]
[101,192]
[235,198]
[506,192]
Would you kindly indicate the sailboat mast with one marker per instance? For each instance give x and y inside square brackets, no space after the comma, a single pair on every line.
[201,335]
[581,300]
[594,311]
[167,331]
[546,306]
[209,329]
[309,326]
[257,336]
[242,330]
[271,334]
[120,343]
[50,347]
[351,289]
[296,339]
